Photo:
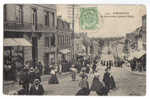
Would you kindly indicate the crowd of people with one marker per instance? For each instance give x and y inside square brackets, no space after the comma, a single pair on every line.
[101,88]
[30,78]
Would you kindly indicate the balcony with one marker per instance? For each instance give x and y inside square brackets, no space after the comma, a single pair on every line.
[27,27]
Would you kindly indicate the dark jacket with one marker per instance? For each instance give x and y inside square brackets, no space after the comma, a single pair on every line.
[40,90]
[24,77]
[112,83]
[106,78]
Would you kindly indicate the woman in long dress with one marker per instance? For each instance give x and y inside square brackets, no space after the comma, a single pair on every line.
[84,85]
[53,77]
[112,81]
[97,85]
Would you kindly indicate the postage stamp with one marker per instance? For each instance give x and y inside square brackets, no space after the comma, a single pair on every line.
[89,19]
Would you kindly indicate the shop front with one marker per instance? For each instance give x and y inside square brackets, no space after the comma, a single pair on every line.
[14,56]
[49,61]
[64,58]
[138,60]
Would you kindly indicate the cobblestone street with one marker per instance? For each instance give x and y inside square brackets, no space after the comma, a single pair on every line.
[128,83]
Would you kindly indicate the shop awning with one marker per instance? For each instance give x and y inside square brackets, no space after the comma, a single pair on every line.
[16,42]
[136,54]
[10,42]
[139,54]
[64,51]
[22,42]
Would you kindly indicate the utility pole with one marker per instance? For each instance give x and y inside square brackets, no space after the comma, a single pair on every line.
[73,32]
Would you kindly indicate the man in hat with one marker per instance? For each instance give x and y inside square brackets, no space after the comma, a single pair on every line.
[94,67]
[40,67]
[32,75]
[36,88]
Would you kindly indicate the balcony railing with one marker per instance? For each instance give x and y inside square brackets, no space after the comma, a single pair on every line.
[12,25]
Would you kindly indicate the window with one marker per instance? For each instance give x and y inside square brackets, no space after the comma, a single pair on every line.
[19,14]
[34,16]
[53,40]
[47,42]
[5,13]
[47,18]
[53,19]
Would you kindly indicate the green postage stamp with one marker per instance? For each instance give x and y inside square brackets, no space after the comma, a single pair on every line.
[89,19]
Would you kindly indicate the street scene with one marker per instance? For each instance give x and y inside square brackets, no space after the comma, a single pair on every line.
[88,50]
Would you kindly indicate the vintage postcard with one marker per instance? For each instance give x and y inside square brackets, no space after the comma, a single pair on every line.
[74,49]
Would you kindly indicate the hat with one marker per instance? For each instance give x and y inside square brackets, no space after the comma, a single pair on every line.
[85,76]
[36,81]
[31,69]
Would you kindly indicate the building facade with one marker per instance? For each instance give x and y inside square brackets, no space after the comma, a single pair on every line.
[36,24]
[64,45]
[136,41]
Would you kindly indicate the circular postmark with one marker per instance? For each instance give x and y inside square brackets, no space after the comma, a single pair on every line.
[89,18]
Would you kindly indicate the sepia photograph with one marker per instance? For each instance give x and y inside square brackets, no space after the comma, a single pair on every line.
[74,49]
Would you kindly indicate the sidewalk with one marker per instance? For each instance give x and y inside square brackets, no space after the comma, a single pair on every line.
[134,72]
[11,86]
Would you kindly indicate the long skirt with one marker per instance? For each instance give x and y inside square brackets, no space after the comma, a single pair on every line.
[112,83]
[53,80]
[83,91]
[102,92]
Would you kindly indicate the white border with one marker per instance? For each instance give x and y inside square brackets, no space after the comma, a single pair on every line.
[145,2]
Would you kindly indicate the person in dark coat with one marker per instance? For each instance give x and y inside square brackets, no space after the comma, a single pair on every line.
[84,85]
[32,75]
[106,79]
[94,67]
[37,73]
[88,68]
[40,67]
[36,88]
[112,82]
[24,79]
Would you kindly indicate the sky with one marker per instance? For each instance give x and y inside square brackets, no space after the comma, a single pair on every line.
[109,26]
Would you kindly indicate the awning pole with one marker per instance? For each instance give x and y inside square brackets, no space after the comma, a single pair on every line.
[23,54]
